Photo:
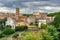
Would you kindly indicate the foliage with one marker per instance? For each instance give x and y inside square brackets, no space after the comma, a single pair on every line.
[8,26]
[56,21]
[34,23]
[15,35]
[53,14]
[45,34]
[2,23]
[52,30]
[4,38]
[27,15]
[21,28]
[8,31]
[40,35]
[59,35]
[43,26]
[1,35]
[1,27]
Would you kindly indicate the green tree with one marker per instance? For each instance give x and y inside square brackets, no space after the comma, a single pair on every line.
[34,23]
[21,28]
[15,35]
[52,30]
[53,14]
[1,35]
[2,23]
[8,31]
[8,26]
[56,21]
[40,35]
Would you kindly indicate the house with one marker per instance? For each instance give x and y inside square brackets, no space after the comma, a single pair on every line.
[41,21]
[16,19]
[50,19]
[13,20]
[19,19]
[42,18]
[31,19]
[10,21]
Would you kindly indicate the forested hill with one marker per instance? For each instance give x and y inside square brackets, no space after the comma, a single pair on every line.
[54,14]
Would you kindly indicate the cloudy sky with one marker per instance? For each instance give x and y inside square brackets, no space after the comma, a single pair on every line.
[29,6]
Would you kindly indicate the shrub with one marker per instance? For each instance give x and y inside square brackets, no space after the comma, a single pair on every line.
[43,26]
[1,27]
[8,26]
[8,31]
[15,35]
[52,30]
[21,28]
[40,35]
[34,23]
[25,27]
[1,35]
[17,28]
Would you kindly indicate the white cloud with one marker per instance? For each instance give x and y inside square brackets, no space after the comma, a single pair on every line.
[29,11]
[25,10]
[48,7]
[7,10]
[31,3]
[51,8]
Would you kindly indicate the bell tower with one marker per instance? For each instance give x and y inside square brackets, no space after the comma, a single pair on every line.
[17,13]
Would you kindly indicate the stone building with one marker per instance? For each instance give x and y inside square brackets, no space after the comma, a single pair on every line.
[42,18]
[14,19]
[10,21]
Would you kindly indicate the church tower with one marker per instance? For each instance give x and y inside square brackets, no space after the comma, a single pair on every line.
[17,13]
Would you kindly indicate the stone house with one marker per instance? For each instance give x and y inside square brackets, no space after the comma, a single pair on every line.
[10,21]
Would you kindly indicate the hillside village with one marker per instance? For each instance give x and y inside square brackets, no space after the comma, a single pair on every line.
[20,26]
[18,19]
[29,19]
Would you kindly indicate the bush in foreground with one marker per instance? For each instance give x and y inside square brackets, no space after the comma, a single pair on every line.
[21,28]
[40,35]
[8,31]
[15,35]
[1,35]
[52,30]
[8,26]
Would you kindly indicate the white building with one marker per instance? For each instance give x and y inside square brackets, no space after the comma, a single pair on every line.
[50,19]
[41,21]
[10,21]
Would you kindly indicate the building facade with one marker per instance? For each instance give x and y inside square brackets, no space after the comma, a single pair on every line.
[10,21]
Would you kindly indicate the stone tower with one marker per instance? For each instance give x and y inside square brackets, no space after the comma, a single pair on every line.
[17,13]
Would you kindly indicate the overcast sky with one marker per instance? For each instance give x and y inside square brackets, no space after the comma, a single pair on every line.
[29,6]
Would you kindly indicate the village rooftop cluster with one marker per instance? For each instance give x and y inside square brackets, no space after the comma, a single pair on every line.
[19,19]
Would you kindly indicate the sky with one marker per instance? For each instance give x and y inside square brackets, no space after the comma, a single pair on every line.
[29,6]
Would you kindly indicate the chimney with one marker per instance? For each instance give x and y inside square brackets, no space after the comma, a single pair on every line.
[17,13]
